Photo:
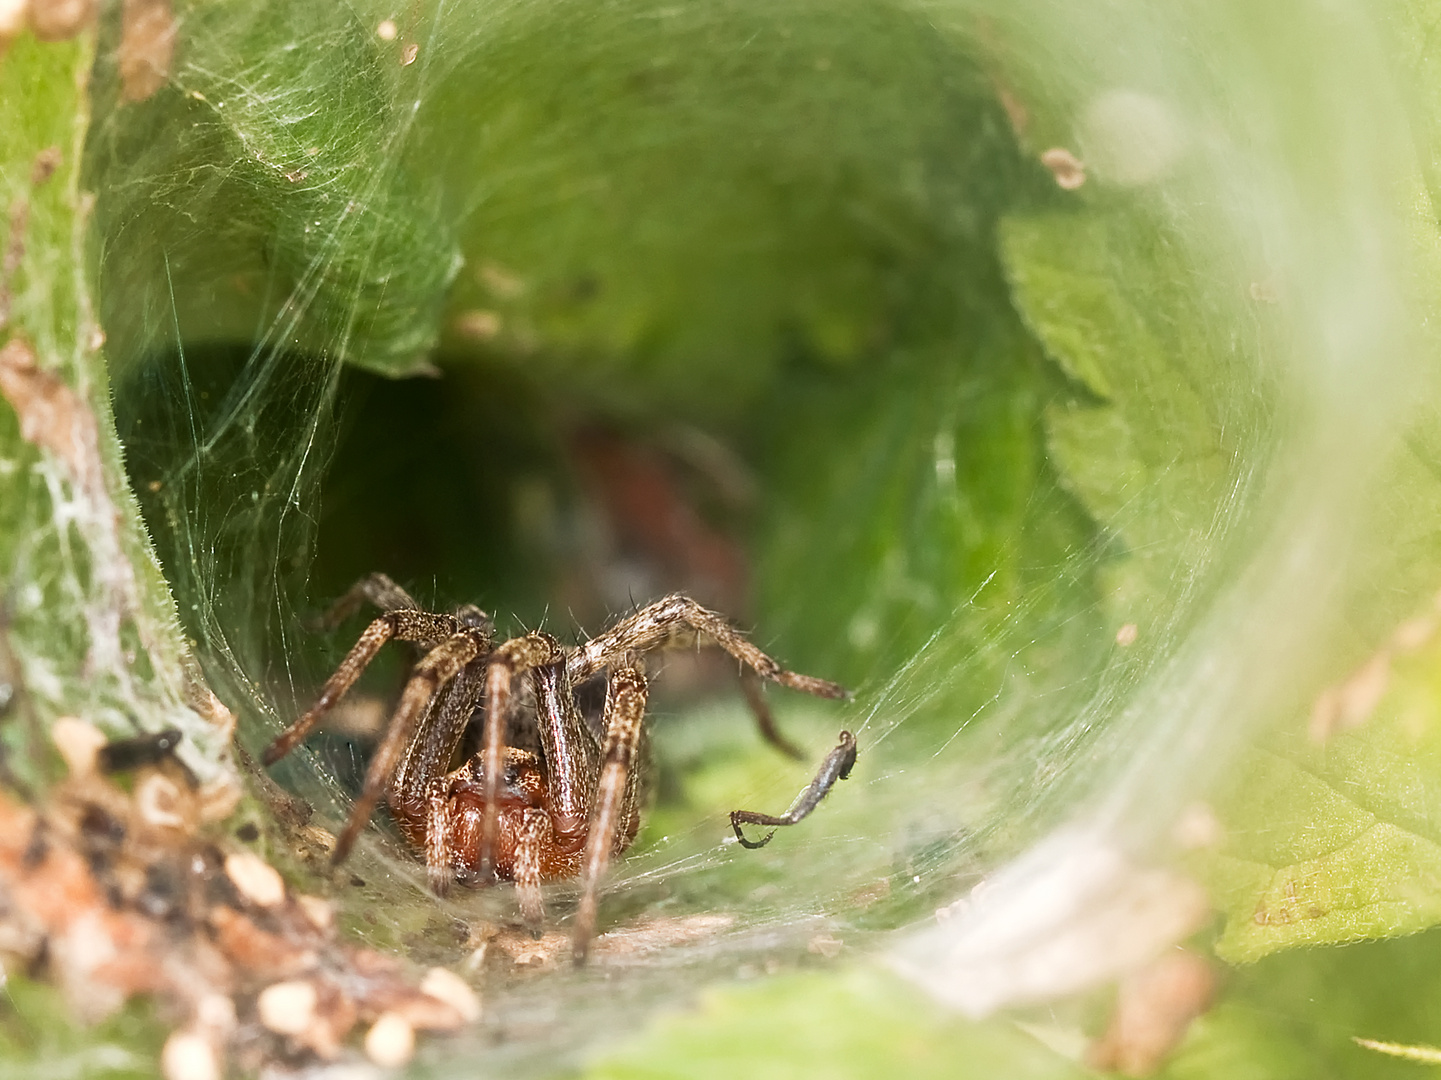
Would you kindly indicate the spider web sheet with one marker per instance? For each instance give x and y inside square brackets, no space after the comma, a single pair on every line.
[1083,492]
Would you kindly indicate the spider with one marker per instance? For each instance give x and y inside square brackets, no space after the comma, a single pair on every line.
[509,813]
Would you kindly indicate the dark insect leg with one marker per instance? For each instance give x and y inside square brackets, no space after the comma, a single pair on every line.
[653,625]
[837,766]
[125,755]
[534,832]
[404,625]
[755,693]
[508,660]
[624,715]
[434,670]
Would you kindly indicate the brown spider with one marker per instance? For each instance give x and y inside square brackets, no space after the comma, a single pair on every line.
[510,813]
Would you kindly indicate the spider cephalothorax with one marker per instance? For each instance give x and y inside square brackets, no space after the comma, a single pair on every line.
[509,813]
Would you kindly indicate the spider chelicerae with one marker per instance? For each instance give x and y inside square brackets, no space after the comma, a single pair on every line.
[514,814]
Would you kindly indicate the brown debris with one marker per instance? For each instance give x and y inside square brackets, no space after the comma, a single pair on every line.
[621,945]
[13,16]
[1154,1008]
[147,43]
[45,164]
[14,254]
[1350,703]
[111,895]
[390,1042]
[52,416]
[1068,170]
[59,20]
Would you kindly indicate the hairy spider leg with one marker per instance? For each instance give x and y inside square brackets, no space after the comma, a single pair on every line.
[755,694]
[653,625]
[514,657]
[376,589]
[837,766]
[571,751]
[431,673]
[424,769]
[624,726]
[535,836]
[402,625]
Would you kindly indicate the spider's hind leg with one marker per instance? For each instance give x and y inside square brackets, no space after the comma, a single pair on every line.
[755,695]
[403,625]
[377,589]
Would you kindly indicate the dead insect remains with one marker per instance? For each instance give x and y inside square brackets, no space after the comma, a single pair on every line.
[509,813]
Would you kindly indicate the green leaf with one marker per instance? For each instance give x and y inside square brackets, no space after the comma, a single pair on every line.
[1177,397]
[82,603]
[662,205]
[1295,1015]
[856,1024]
[1337,841]
[262,187]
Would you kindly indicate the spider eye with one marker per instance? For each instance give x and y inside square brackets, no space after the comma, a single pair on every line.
[512,776]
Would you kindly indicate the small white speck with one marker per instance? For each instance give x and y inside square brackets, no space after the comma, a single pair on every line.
[916,880]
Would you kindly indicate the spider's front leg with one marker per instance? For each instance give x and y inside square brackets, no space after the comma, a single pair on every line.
[625,700]
[653,625]
[461,640]
[507,661]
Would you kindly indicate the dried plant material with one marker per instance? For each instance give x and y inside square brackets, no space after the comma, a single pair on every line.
[1429,1055]
[109,903]
[45,164]
[502,282]
[52,417]
[255,879]
[478,324]
[1414,633]
[1016,111]
[1265,292]
[1359,694]
[219,798]
[147,43]
[203,702]
[189,1055]
[1068,170]
[1198,828]
[1154,1008]
[163,803]
[57,20]
[445,985]
[1133,138]
[287,1008]
[655,933]
[526,951]
[79,744]
[13,15]
[1350,703]
[826,945]
[408,54]
[14,254]
[56,419]
[1070,914]
[319,911]
[390,1042]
